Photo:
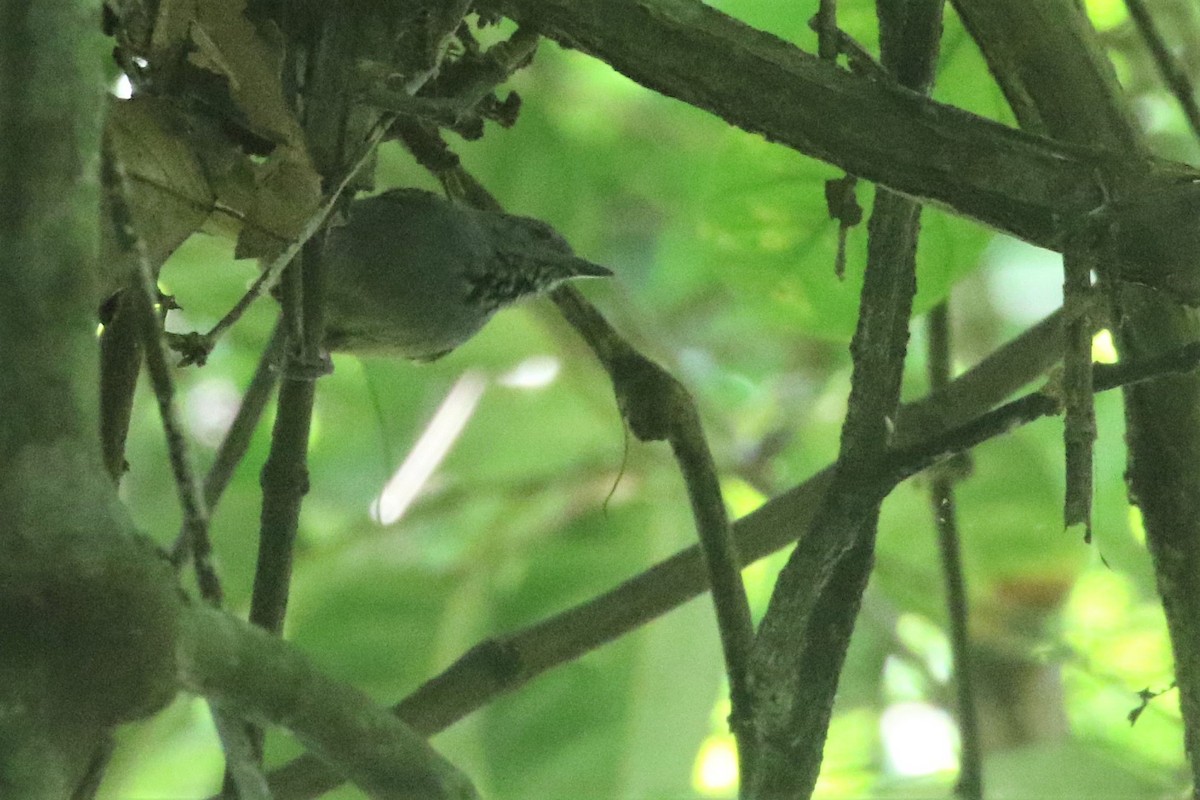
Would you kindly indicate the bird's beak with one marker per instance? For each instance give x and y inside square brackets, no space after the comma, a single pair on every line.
[583,268]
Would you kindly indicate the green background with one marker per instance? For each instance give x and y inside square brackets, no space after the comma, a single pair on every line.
[724,255]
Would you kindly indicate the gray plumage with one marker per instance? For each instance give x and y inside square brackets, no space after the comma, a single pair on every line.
[414,275]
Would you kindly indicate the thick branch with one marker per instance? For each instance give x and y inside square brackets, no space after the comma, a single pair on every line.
[1007,179]
[1014,181]
[802,641]
[502,665]
[1079,100]
[247,671]
[88,609]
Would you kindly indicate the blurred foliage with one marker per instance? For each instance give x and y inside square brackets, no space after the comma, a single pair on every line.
[724,252]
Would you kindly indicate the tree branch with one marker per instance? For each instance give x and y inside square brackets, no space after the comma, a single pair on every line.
[945,521]
[658,407]
[503,664]
[89,609]
[802,640]
[1010,180]
[253,674]
[1051,56]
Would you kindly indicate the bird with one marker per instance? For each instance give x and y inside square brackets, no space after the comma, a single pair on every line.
[414,275]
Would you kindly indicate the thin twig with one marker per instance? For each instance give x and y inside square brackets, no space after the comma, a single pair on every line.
[237,439]
[248,775]
[145,296]
[904,462]
[503,664]
[657,407]
[1172,72]
[197,346]
[839,192]
[941,495]
[471,83]
[284,482]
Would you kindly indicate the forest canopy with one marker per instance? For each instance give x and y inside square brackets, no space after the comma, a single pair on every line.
[487,542]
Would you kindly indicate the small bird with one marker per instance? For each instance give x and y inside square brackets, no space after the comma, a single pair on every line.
[414,275]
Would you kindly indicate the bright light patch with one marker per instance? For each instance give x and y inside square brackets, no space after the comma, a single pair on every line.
[1137,527]
[535,372]
[123,87]
[431,448]
[918,739]
[1024,282]
[903,680]
[1141,653]
[927,640]
[209,409]
[716,769]
[1099,599]
[740,497]
[1155,114]
[1103,349]
[1106,14]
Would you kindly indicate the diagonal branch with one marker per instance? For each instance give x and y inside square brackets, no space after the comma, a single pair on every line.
[503,664]
[1055,60]
[802,640]
[1017,182]
[1010,180]
[246,670]
[657,407]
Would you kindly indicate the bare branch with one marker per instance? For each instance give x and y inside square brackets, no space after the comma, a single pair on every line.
[246,670]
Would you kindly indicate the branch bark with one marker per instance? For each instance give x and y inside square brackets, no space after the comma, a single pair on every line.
[246,671]
[89,609]
[802,641]
[1017,182]
[1077,99]
[506,663]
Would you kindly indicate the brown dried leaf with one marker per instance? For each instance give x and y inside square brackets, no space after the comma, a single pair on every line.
[286,194]
[251,59]
[170,196]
